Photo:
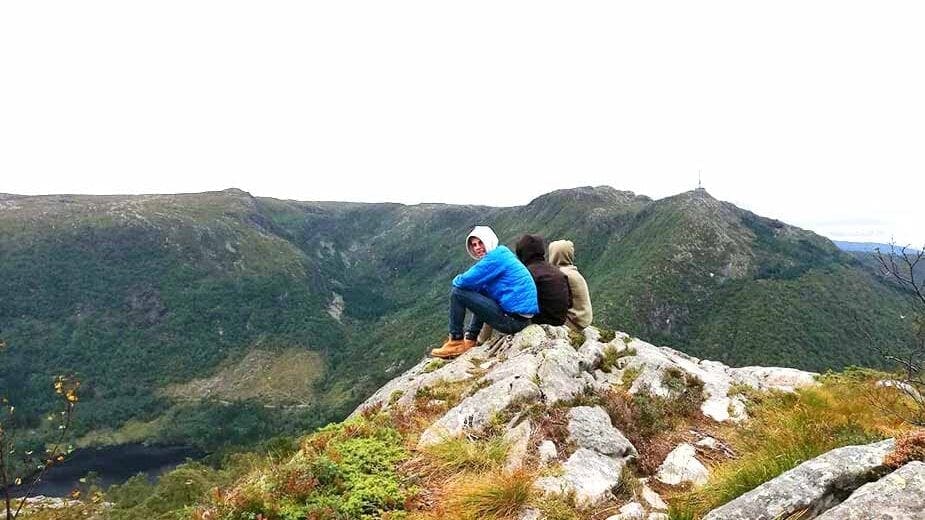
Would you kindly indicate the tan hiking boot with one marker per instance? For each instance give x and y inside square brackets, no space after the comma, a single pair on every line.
[452,348]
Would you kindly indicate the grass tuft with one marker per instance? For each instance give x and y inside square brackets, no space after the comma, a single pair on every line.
[629,376]
[497,496]
[472,455]
[576,338]
[612,356]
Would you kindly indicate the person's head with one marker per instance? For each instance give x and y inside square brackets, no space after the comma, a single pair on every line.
[481,241]
[562,252]
[531,248]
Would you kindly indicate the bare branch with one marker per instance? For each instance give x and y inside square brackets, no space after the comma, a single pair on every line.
[908,261]
[55,452]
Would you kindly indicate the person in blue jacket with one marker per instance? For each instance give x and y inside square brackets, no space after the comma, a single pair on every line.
[497,290]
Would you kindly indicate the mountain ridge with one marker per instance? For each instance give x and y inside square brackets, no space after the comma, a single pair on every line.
[139,292]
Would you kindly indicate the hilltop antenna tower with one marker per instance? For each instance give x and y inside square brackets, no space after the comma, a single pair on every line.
[699,184]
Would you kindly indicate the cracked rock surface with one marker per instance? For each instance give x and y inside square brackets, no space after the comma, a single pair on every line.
[510,376]
[815,485]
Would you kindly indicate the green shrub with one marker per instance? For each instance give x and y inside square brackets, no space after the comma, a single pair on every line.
[345,470]
[683,384]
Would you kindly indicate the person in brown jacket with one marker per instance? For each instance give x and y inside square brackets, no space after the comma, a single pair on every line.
[552,286]
[562,255]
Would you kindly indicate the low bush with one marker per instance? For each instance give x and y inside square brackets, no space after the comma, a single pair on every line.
[345,470]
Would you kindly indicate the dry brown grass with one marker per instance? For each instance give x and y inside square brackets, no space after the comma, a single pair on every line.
[284,377]
[552,424]
[494,496]
[655,437]
[909,447]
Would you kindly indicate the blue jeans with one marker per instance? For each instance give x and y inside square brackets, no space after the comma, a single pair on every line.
[484,310]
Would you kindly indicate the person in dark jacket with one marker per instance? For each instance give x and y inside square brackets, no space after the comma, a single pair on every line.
[552,286]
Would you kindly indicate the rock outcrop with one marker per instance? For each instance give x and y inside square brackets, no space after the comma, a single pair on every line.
[513,382]
[559,371]
[541,367]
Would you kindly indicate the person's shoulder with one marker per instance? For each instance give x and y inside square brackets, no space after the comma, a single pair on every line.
[501,252]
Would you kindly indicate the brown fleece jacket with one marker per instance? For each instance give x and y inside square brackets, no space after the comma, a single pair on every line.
[562,254]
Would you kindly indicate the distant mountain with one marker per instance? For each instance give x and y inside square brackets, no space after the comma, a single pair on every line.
[222,317]
[866,247]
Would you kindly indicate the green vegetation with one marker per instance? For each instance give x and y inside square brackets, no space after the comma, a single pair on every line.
[181,488]
[345,470]
[651,422]
[612,356]
[395,396]
[365,468]
[576,338]
[558,508]
[680,382]
[434,364]
[629,376]
[799,317]
[135,294]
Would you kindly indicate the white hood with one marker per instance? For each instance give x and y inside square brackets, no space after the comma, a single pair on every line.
[486,235]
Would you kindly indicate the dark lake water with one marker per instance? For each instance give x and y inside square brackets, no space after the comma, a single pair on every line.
[113,465]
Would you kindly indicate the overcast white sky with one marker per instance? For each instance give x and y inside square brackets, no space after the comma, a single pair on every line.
[809,112]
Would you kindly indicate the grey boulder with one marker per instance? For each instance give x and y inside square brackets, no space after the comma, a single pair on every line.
[815,485]
[590,475]
[897,496]
[590,427]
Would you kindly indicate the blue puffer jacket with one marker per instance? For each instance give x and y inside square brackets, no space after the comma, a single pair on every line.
[500,276]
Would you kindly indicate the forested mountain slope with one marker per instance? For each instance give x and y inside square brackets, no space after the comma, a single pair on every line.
[163,304]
